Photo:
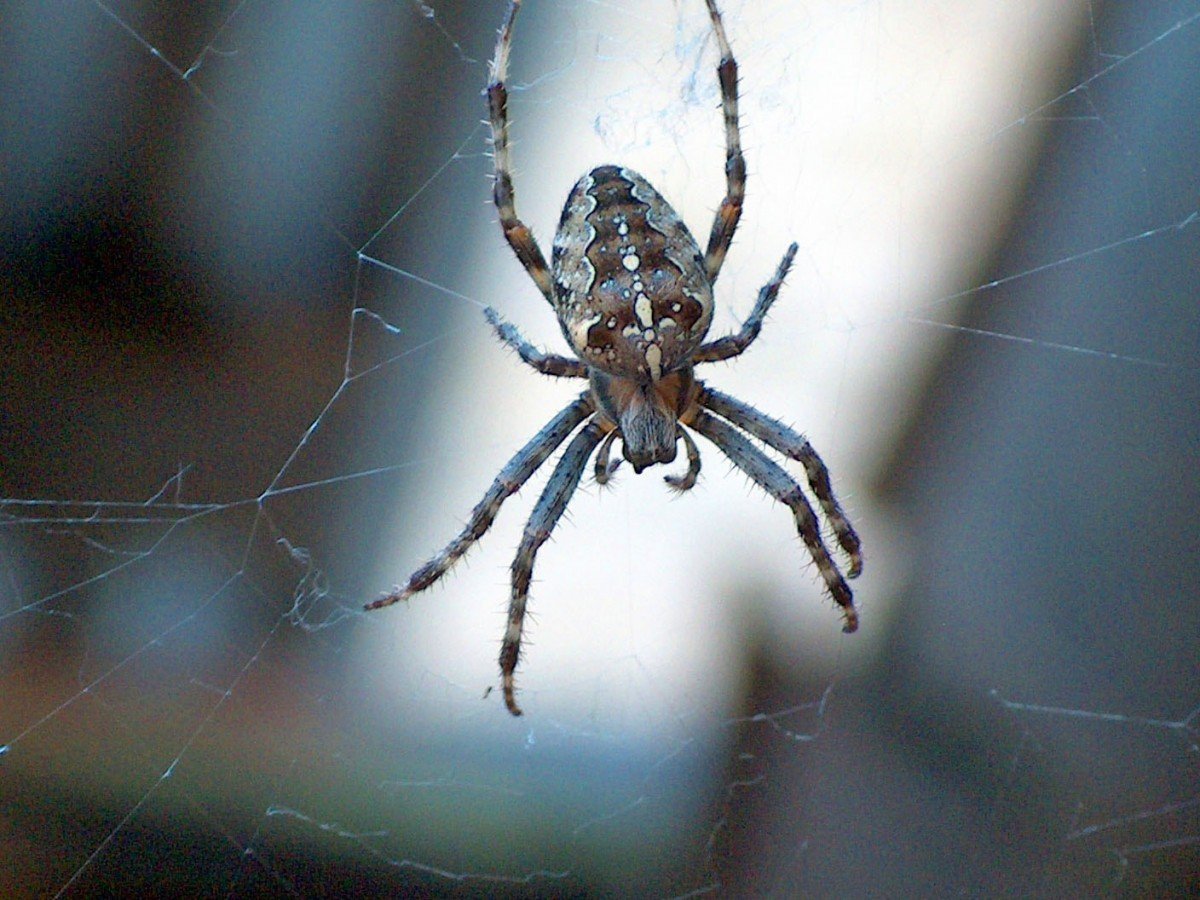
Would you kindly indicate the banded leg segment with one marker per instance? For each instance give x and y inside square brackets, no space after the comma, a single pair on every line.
[734,344]
[794,445]
[549,510]
[515,473]
[516,232]
[730,210]
[775,481]
[546,363]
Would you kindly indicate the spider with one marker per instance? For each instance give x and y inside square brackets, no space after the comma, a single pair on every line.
[634,298]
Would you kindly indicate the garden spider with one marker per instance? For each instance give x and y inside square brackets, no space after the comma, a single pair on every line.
[634,297]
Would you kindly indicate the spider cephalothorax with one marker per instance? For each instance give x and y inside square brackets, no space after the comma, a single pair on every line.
[634,296]
[645,411]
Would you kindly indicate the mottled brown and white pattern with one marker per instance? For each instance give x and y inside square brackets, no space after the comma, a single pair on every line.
[634,298]
[631,289]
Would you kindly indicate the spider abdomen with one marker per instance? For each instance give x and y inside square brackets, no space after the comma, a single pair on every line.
[630,286]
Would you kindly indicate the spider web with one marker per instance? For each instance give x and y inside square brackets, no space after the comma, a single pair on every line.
[248,386]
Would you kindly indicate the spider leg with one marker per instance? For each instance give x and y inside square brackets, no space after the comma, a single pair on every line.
[546,363]
[514,474]
[604,468]
[734,344]
[516,232]
[549,509]
[730,211]
[687,480]
[776,482]
[775,434]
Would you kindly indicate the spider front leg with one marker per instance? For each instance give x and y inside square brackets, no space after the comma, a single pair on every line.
[516,232]
[775,434]
[546,363]
[549,510]
[734,344]
[517,471]
[730,210]
[776,482]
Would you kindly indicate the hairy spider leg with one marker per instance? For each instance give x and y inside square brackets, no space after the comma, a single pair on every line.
[776,482]
[549,509]
[546,363]
[791,444]
[730,210]
[515,473]
[516,232]
[735,344]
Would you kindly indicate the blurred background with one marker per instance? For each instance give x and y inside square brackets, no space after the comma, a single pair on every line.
[247,385]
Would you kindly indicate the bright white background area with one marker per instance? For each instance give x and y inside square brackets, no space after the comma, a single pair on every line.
[249,387]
